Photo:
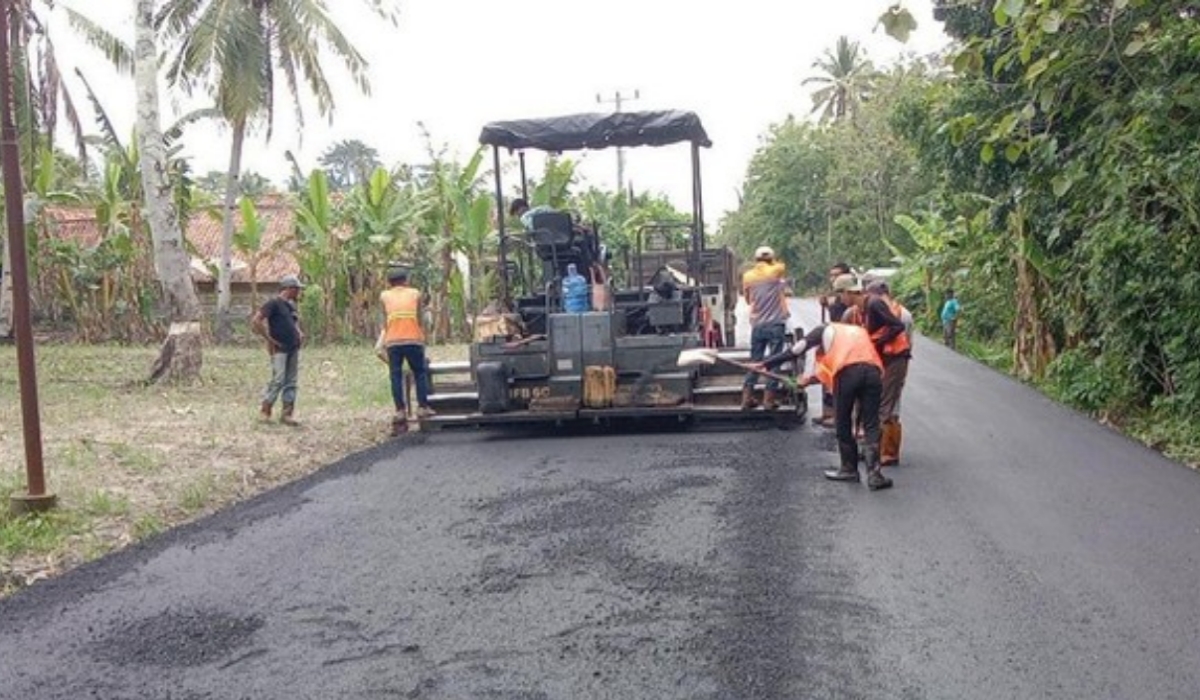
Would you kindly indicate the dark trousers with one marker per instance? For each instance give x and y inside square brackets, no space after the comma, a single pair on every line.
[950,333]
[860,384]
[764,342]
[895,373]
[414,355]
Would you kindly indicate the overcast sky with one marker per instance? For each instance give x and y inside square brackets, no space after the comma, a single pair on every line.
[457,64]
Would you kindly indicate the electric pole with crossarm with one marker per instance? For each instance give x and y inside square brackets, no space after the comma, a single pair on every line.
[617,100]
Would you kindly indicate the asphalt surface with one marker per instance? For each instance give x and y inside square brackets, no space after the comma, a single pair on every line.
[1025,552]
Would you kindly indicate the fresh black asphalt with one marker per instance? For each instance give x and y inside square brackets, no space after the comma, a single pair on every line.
[1025,552]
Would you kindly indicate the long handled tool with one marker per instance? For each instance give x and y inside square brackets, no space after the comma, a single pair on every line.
[513,345]
[711,356]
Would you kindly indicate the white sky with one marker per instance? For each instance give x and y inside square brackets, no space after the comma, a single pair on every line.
[457,64]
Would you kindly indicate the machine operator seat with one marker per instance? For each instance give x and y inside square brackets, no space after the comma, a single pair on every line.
[558,243]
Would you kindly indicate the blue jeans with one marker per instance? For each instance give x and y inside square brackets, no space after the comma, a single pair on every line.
[764,342]
[414,355]
[285,373]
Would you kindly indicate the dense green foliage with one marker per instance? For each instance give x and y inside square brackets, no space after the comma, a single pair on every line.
[1049,173]
[820,193]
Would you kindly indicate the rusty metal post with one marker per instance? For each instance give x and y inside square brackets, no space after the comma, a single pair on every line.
[36,498]
[502,249]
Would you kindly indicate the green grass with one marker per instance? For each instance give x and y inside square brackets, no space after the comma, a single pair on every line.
[998,356]
[104,504]
[128,460]
[137,458]
[1176,436]
[198,494]
[38,533]
[147,525]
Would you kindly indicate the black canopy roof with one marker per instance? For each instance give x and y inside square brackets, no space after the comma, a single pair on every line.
[595,131]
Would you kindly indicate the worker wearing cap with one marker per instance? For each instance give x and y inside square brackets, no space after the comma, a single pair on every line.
[278,322]
[848,365]
[403,340]
[832,309]
[896,354]
[850,290]
[765,288]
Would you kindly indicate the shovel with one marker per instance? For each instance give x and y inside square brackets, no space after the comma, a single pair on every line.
[711,356]
[513,345]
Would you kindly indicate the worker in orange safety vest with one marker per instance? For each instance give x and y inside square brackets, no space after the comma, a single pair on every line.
[895,349]
[403,340]
[849,366]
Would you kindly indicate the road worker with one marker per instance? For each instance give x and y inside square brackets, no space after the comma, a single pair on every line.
[403,340]
[896,354]
[850,293]
[764,287]
[849,366]
[832,309]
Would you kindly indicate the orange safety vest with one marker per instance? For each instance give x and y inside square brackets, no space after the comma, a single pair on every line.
[851,346]
[900,344]
[402,306]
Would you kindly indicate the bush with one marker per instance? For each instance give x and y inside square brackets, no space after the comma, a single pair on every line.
[1079,379]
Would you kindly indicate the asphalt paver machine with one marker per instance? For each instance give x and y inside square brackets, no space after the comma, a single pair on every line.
[533,362]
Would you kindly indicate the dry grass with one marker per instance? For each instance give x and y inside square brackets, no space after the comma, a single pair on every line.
[127,461]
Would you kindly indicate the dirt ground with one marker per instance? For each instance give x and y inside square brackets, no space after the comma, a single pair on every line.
[127,460]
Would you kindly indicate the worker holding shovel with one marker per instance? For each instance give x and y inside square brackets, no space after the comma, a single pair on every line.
[850,368]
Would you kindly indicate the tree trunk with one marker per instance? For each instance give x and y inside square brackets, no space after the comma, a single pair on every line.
[225,269]
[932,311]
[181,354]
[1033,344]
[253,272]
[442,323]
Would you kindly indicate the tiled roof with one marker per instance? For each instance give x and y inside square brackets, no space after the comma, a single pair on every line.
[276,257]
[74,224]
[204,234]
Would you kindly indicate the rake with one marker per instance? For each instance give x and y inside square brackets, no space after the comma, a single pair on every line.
[711,356]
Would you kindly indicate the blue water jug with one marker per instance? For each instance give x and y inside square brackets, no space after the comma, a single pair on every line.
[575,291]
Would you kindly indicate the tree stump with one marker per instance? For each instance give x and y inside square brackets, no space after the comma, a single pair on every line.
[180,357]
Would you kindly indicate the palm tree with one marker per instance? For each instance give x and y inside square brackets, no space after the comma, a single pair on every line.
[180,356]
[845,80]
[250,184]
[239,50]
[349,163]
[39,88]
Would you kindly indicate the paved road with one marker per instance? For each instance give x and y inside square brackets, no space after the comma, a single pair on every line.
[1024,553]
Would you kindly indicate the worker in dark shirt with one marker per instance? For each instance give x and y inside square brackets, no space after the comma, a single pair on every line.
[895,349]
[832,306]
[886,328]
[278,322]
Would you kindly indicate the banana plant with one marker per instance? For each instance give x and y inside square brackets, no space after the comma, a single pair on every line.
[318,254]
[381,215]
[554,189]
[933,242]
[449,191]
[248,241]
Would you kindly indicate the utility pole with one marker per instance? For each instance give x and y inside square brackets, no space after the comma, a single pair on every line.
[617,100]
[36,498]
